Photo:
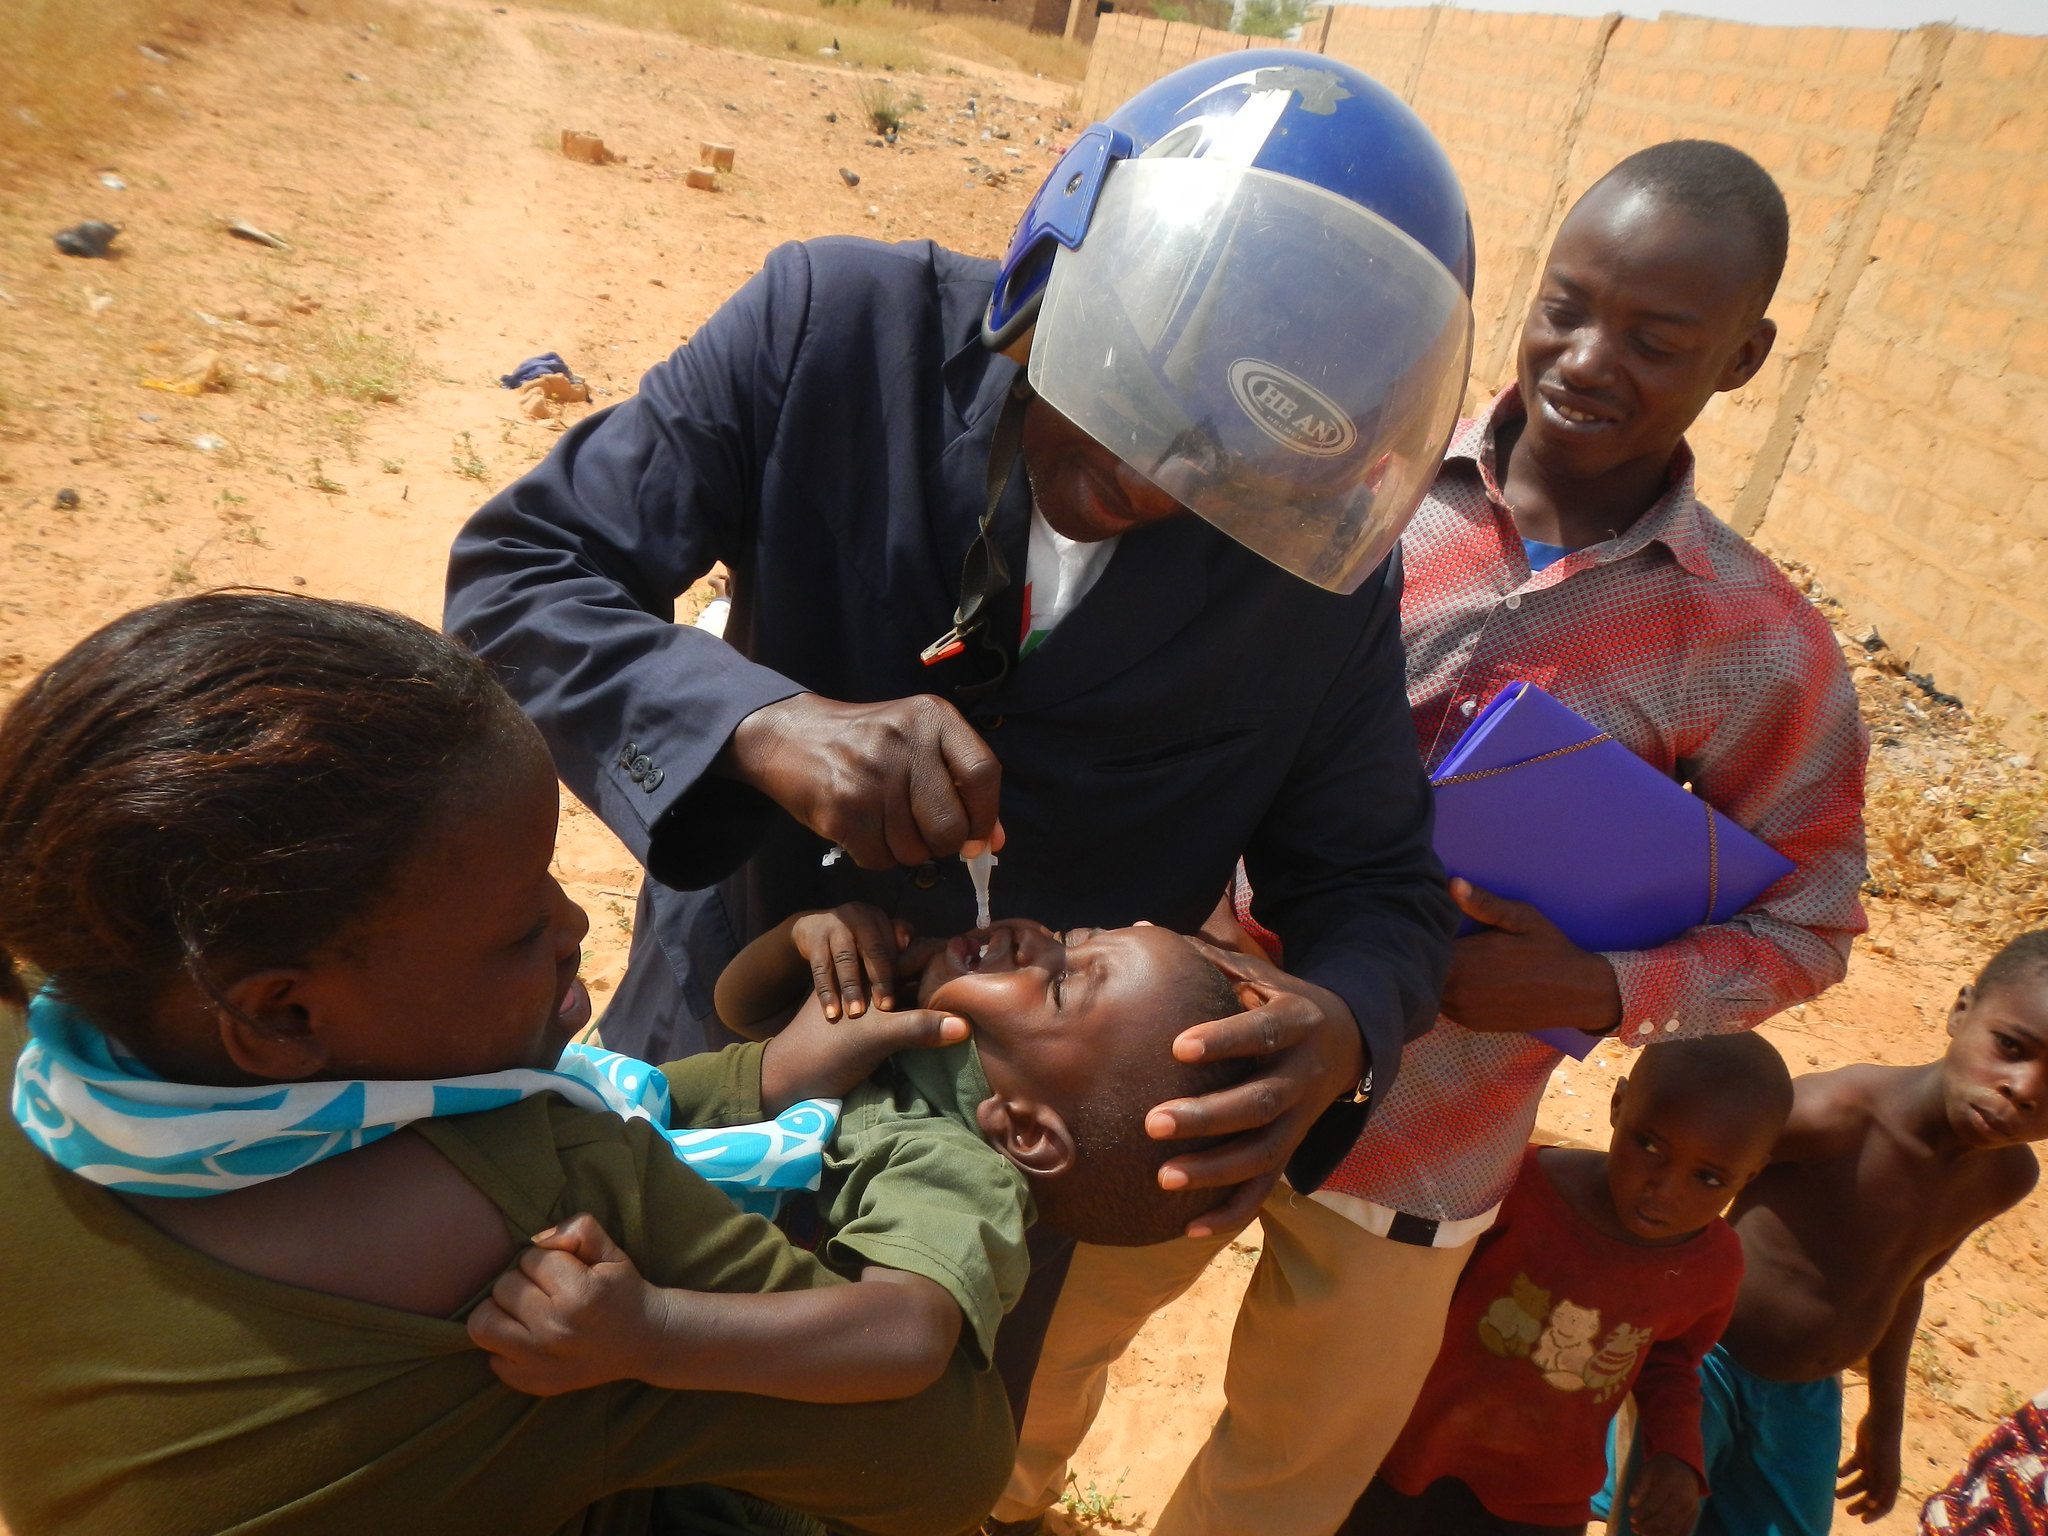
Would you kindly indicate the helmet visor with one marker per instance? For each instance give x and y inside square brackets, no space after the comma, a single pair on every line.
[1275,357]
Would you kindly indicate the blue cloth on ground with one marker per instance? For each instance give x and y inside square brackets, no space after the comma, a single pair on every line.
[534,367]
[102,1114]
[1771,1449]
[1542,556]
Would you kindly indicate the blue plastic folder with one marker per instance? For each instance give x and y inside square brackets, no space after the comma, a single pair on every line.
[1537,804]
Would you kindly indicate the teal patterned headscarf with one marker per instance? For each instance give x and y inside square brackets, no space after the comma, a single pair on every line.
[105,1116]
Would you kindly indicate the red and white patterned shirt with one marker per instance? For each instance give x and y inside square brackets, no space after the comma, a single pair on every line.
[1694,651]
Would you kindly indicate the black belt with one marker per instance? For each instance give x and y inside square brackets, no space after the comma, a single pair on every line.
[1417,1231]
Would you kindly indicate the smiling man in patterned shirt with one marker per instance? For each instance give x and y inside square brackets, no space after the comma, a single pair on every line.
[1563,545]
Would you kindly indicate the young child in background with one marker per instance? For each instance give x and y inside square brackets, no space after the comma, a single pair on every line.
[1880,1175]
[1607,1273]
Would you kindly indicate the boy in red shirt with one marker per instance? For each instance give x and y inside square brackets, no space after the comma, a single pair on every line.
[1606,1273]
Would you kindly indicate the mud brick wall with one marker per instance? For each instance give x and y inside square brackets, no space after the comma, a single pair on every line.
[1918,478]
[1898,438]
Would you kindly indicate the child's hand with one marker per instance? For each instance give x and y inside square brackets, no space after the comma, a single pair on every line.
[1664,1499]
[813,1058]
[573,1313]
[1872,1472]
[851,949]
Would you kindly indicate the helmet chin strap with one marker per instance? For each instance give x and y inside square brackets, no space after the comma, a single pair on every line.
[985,574]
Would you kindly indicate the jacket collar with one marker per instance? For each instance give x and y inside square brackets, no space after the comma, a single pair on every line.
[1155,585]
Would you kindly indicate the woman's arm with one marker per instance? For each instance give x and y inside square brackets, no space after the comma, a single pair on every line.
[577,1313]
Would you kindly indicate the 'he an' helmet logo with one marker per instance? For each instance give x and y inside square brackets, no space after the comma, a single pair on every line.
[1293,413]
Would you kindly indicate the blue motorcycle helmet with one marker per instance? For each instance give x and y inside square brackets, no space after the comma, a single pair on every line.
[1252,284]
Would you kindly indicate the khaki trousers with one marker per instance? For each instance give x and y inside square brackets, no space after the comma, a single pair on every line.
[1335,1336]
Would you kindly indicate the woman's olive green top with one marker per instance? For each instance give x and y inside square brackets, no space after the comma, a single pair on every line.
[147,1388]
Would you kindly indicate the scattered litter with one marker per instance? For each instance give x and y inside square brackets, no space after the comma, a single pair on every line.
[66,500]
[829,53]
[702,179]
[717,156]
[112,182]
[88,239]
[540,367]
[151,54]
[559,387]
[535,403]
[147,416]
[874,212]
[1014,153]
[586,147]
[202,372]
[242,229]
[851,178]
[207,442]
[275,373]
[98,303]
[359,79]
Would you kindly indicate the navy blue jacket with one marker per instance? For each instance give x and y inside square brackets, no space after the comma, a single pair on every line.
[826,434]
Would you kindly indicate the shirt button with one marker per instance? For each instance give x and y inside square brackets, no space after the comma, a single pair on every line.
[1670,1026]
[1513,600]
[1647,1027]
[1468,708]
[925,876]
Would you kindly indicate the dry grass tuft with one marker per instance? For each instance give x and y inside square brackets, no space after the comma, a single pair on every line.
[1957,819]
[73,71]
[62,62]
[358,363]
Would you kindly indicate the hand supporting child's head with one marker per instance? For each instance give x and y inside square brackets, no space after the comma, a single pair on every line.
[256,836]
[1995,1074]
[1076,1033]
[1693,1124]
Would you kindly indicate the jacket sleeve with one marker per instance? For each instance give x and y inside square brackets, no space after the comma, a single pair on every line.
[567,581]
[1341,867]
[1786,760]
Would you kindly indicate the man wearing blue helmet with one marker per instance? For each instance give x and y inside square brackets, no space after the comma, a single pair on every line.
[1244,296]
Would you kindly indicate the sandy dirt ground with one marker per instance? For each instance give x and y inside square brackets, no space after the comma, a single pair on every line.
[436,238]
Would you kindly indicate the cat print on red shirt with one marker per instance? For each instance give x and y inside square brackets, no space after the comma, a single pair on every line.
[1559,1340]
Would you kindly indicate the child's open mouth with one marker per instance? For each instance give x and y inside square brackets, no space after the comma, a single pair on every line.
[992,949]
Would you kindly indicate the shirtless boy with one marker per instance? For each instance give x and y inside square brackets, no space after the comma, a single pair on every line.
[1881,1174]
